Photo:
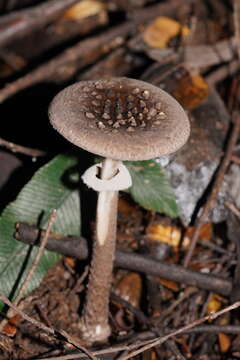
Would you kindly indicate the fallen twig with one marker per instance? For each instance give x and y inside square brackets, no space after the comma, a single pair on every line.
[21,149]
[231,329]
[20,23]
[236,159]
[118,63]
[161,340]
[215,189]
[200,56]
[222,72]
[66,64]
[144,15]
[233,208]
[24,286]
[37,258]
[77,247]
[142,318]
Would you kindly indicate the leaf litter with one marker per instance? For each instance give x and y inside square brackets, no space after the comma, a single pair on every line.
[155,208]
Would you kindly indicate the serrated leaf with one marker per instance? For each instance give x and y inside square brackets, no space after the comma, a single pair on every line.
[151,188]
[43,193]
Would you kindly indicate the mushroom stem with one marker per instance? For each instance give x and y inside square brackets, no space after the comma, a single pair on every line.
[94,325]
[107,202]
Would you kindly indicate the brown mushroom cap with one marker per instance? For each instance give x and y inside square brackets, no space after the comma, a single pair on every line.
[120,118]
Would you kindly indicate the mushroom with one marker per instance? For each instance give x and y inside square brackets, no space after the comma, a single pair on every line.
[119,119]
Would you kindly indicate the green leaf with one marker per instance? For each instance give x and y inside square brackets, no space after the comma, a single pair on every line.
[151,188]
[43,193]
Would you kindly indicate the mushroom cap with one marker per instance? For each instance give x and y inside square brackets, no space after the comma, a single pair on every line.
[120,118]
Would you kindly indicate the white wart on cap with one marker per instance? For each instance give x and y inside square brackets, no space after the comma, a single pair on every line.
[120,118]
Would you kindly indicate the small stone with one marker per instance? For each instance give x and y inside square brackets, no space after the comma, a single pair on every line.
[110,122]
[90,115]
[130,98]
[146,94]
[145,110]
[122,122]
[94,93]
[140,116]
[106,116]
[157,122]
[86,89]
[158,106]
[143,124]
[101,125]
[142,104]
[119,116]
[99,97]
[135,110]
[130,129]
[129,114]
[136,91]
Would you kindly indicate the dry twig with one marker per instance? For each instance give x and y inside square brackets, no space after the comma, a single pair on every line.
[22,22]
[222,72]
[37,258]
[200,56]
[77,247]
[156,342]
[236,159]
[159,341]
[233,208]
[24,286]
[66,64]
[21,149]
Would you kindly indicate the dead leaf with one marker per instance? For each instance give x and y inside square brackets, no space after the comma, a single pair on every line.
[214,304]
[70,261]
[130,288]
[170,235]
[224,342]
[162,30]
[10,328]
[169,284]
[149,355]
[191,90]
[84,9]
